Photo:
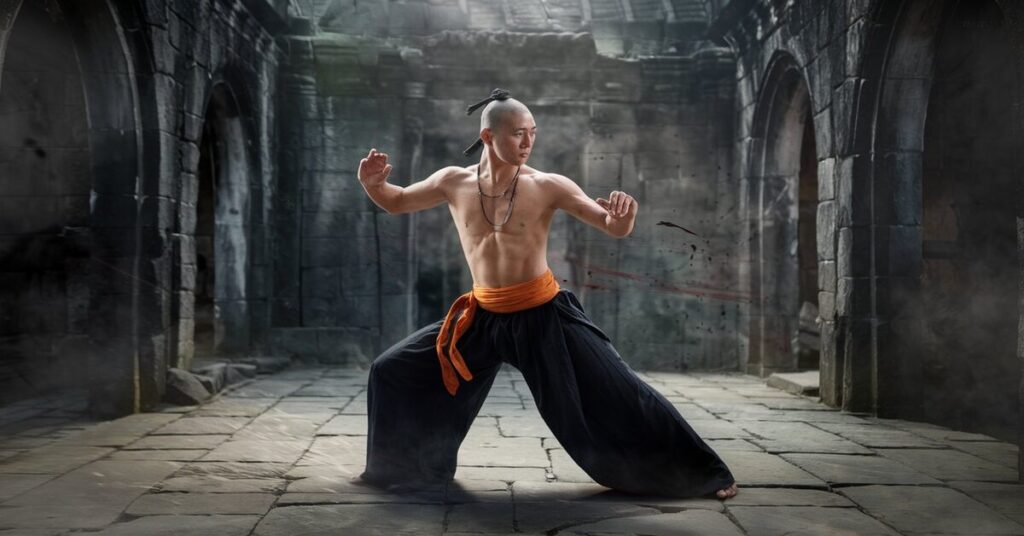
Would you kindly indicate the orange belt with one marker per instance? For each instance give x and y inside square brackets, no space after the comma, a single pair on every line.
[509,299]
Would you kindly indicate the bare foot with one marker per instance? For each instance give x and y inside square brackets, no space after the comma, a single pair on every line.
[730,491]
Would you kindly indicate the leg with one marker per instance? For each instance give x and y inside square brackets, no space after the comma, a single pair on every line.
[415,426]
[621,431]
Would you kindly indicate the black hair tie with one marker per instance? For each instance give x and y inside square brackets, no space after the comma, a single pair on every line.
[497,94]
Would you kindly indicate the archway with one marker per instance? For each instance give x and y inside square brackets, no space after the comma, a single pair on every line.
[221,235]
[946,205]
[781,217]
[44,208]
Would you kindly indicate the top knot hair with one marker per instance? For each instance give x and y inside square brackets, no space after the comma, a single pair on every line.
[499,95]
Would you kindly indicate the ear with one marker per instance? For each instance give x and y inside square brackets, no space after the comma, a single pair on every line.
[486,135]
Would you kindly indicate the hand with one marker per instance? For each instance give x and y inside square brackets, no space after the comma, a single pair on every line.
[374,169]
[619,205]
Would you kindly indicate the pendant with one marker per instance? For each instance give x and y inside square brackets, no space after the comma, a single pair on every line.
[497,228]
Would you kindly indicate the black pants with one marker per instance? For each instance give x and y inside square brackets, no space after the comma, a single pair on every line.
[618,429]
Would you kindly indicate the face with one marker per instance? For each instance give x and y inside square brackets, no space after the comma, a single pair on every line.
[513,139]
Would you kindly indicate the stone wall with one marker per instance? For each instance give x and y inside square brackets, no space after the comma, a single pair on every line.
[149,76]
[902,178]
[657,127]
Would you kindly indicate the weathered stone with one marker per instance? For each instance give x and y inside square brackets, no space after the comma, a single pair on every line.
[184,388]
[1007,499]
[14,485]
[782,520]
[201,503]
[203,426]
[504,452]
[695,522]
[547,516]
[92,496]
[194,525]
[220,484]
[174,455]
[759,469]
[178,442]
[920,509]
[253,450]
[229,470]
[401,519]
[355,425]
[52,459]
[948,464]
[849,469]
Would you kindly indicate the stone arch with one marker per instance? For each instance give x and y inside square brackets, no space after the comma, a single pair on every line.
[218,217]
[924,229]
[780,150]
[107,231]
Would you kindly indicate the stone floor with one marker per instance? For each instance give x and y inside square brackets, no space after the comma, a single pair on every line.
[272,457]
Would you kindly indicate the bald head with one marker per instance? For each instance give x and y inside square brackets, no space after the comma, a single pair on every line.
[497,112]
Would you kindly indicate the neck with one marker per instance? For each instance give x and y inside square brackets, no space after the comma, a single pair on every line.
[501,173]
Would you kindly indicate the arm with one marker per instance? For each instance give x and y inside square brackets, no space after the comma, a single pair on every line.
[615,215]
[373,175]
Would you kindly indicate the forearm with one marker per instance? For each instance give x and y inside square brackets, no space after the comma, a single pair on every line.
[385,195]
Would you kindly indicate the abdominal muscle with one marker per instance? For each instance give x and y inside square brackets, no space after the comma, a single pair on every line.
[513,255]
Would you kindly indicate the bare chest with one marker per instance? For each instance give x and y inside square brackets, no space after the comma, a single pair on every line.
[524,210]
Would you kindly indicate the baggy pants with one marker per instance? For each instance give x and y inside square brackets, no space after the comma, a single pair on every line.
[618,429]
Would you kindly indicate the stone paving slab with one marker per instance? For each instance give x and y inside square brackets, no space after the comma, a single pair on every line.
[993,451]
[504,452]
[177,525]
[14,485]
[508,474]
[335,450]
[593,492]
[52,459]
[687,523]
[92,496]
[201,503]
[933,510]
[1007,499]
[235,407]
[761,469]
[194,484]
[370,520]
[873,435]
[203,426]
[254,450]
[557,515]
[345,425]
[279,452]
[174,455]
[807,521]
[949,464]
[751,496]
[178,442]
[850,469]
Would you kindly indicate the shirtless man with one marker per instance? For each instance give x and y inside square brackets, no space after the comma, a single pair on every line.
[618,429]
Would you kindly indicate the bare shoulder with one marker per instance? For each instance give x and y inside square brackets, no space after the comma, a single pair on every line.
[450,176]
[552,182]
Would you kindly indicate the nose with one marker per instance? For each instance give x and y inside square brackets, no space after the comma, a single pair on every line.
[526,142]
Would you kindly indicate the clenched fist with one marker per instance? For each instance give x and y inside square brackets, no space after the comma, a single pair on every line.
[619,205]
[374,169]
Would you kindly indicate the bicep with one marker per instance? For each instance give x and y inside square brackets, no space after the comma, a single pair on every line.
[572,199]
[427,193]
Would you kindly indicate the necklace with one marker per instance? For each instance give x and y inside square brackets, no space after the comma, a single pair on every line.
[481,190]
[511,200]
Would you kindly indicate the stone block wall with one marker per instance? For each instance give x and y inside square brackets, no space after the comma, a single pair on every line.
[655,127]
[147,73]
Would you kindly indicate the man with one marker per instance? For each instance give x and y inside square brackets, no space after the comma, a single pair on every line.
[425,391]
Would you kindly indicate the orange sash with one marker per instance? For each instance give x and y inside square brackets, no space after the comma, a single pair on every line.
[510,299]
